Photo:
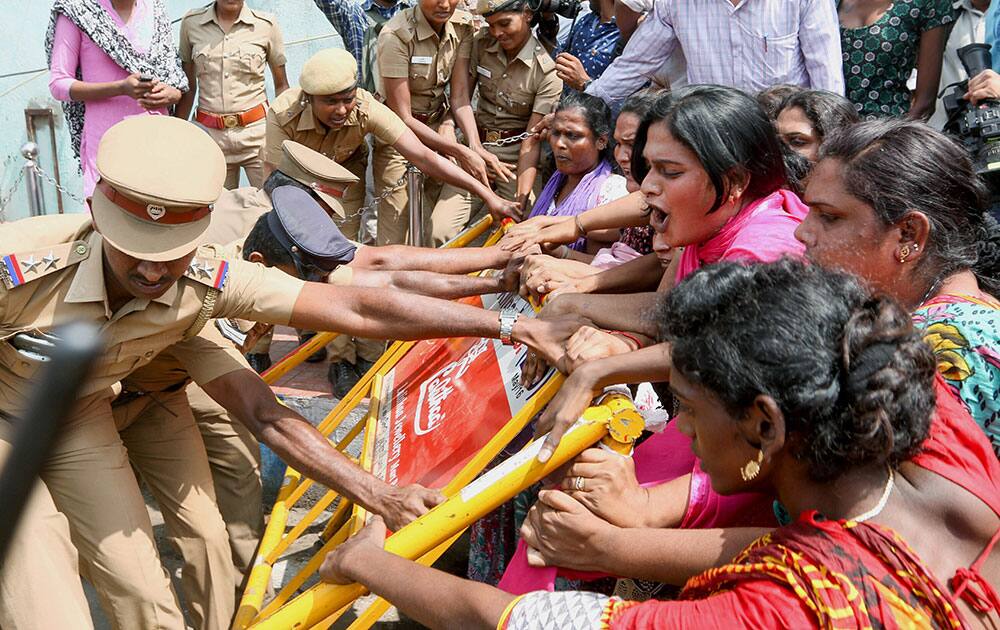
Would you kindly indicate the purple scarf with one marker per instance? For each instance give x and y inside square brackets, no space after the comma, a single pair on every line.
[583,197]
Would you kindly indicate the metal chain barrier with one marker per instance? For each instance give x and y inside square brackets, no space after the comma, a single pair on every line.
[511,140]
[52,180]
[400,183]
[5,198]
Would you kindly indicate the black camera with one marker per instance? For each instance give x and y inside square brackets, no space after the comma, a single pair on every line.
[976,126]
[566,8]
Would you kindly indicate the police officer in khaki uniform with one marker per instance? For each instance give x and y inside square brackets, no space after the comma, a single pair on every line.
[224,48]
[131,266]
[422,51]
[330,114]
[518,86]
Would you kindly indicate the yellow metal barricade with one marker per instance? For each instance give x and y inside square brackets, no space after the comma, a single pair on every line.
[614,422]
[294,486]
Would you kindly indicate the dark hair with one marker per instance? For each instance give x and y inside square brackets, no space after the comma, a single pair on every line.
[641,102]
[898,167]
[770,99]
[851,376]
[596,114]
[826,111]
[726,130]
[262,240]
[277,178]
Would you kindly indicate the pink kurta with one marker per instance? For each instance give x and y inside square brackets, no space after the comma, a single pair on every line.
[73,49]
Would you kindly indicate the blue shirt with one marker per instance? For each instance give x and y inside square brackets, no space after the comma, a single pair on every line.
[592,42]
[351,20]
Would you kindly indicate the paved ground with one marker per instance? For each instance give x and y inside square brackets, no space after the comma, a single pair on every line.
[307,390]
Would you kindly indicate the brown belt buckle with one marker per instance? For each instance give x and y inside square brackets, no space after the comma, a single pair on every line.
[492,135]
[230,121]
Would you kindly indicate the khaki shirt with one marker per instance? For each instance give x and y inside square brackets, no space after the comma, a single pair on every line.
[230,66]
[291,118]
[235,214]
[202,358]
[511,91]
[61,279]
[408,48]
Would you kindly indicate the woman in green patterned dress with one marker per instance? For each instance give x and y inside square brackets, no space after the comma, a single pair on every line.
[882,42]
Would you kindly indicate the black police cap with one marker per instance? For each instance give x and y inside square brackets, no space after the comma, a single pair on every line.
[302,226]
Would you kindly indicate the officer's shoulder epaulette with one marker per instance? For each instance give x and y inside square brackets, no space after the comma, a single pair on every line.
[288,105]
[209,267]
[270,18]
[198,11]
[23,267]
[463,17]
[544,59]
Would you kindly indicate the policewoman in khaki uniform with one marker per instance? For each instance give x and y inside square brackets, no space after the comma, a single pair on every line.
[422,51]
[224,48]
[518,86]
[330,114]
[131,266]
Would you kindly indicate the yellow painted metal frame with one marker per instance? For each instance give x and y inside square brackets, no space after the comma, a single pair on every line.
[614,421]
[275,542]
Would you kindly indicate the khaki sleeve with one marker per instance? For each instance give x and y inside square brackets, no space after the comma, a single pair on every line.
[393,56]
[276,46]
[547,96]
[274,135]
[208,355]
[385,123]
[184,47]
[341,276]
[253,291]
[465,44]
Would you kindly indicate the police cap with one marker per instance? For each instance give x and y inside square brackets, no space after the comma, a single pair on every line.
[160,176]
[329,71]
[325,177]
[304,228]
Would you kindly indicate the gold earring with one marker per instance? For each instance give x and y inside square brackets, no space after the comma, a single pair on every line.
[904,254]
[752,468]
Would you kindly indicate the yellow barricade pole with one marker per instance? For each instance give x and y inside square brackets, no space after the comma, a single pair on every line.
[615,422]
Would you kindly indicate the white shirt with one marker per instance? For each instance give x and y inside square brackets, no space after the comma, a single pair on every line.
[752,45]
[969,27]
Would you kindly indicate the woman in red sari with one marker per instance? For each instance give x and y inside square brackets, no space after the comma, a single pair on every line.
[797,382]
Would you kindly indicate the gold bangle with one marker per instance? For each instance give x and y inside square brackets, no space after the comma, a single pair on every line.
[579,226]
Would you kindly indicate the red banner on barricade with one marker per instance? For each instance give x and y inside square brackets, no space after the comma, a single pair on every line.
[445,400]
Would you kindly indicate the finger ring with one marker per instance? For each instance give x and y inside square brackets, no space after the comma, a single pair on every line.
[578,484]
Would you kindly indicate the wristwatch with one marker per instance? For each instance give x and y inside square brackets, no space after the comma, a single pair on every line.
[508,317]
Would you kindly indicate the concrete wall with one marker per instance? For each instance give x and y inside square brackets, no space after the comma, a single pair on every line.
[22,47]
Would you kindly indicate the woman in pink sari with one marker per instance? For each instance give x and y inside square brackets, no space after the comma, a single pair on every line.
[110,59]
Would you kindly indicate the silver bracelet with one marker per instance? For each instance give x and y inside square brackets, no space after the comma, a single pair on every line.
[508,317]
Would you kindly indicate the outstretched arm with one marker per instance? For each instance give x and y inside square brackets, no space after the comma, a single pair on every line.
[387,314]
[439,285]
[409,258]
[431,597]
[296,441]
[438,167]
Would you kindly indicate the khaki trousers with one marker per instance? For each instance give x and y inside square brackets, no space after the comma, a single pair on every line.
[165,447]
[507,190]
[89,480]
[242,148]
[234,458]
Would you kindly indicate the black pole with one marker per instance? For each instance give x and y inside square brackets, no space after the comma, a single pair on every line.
[50,401]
